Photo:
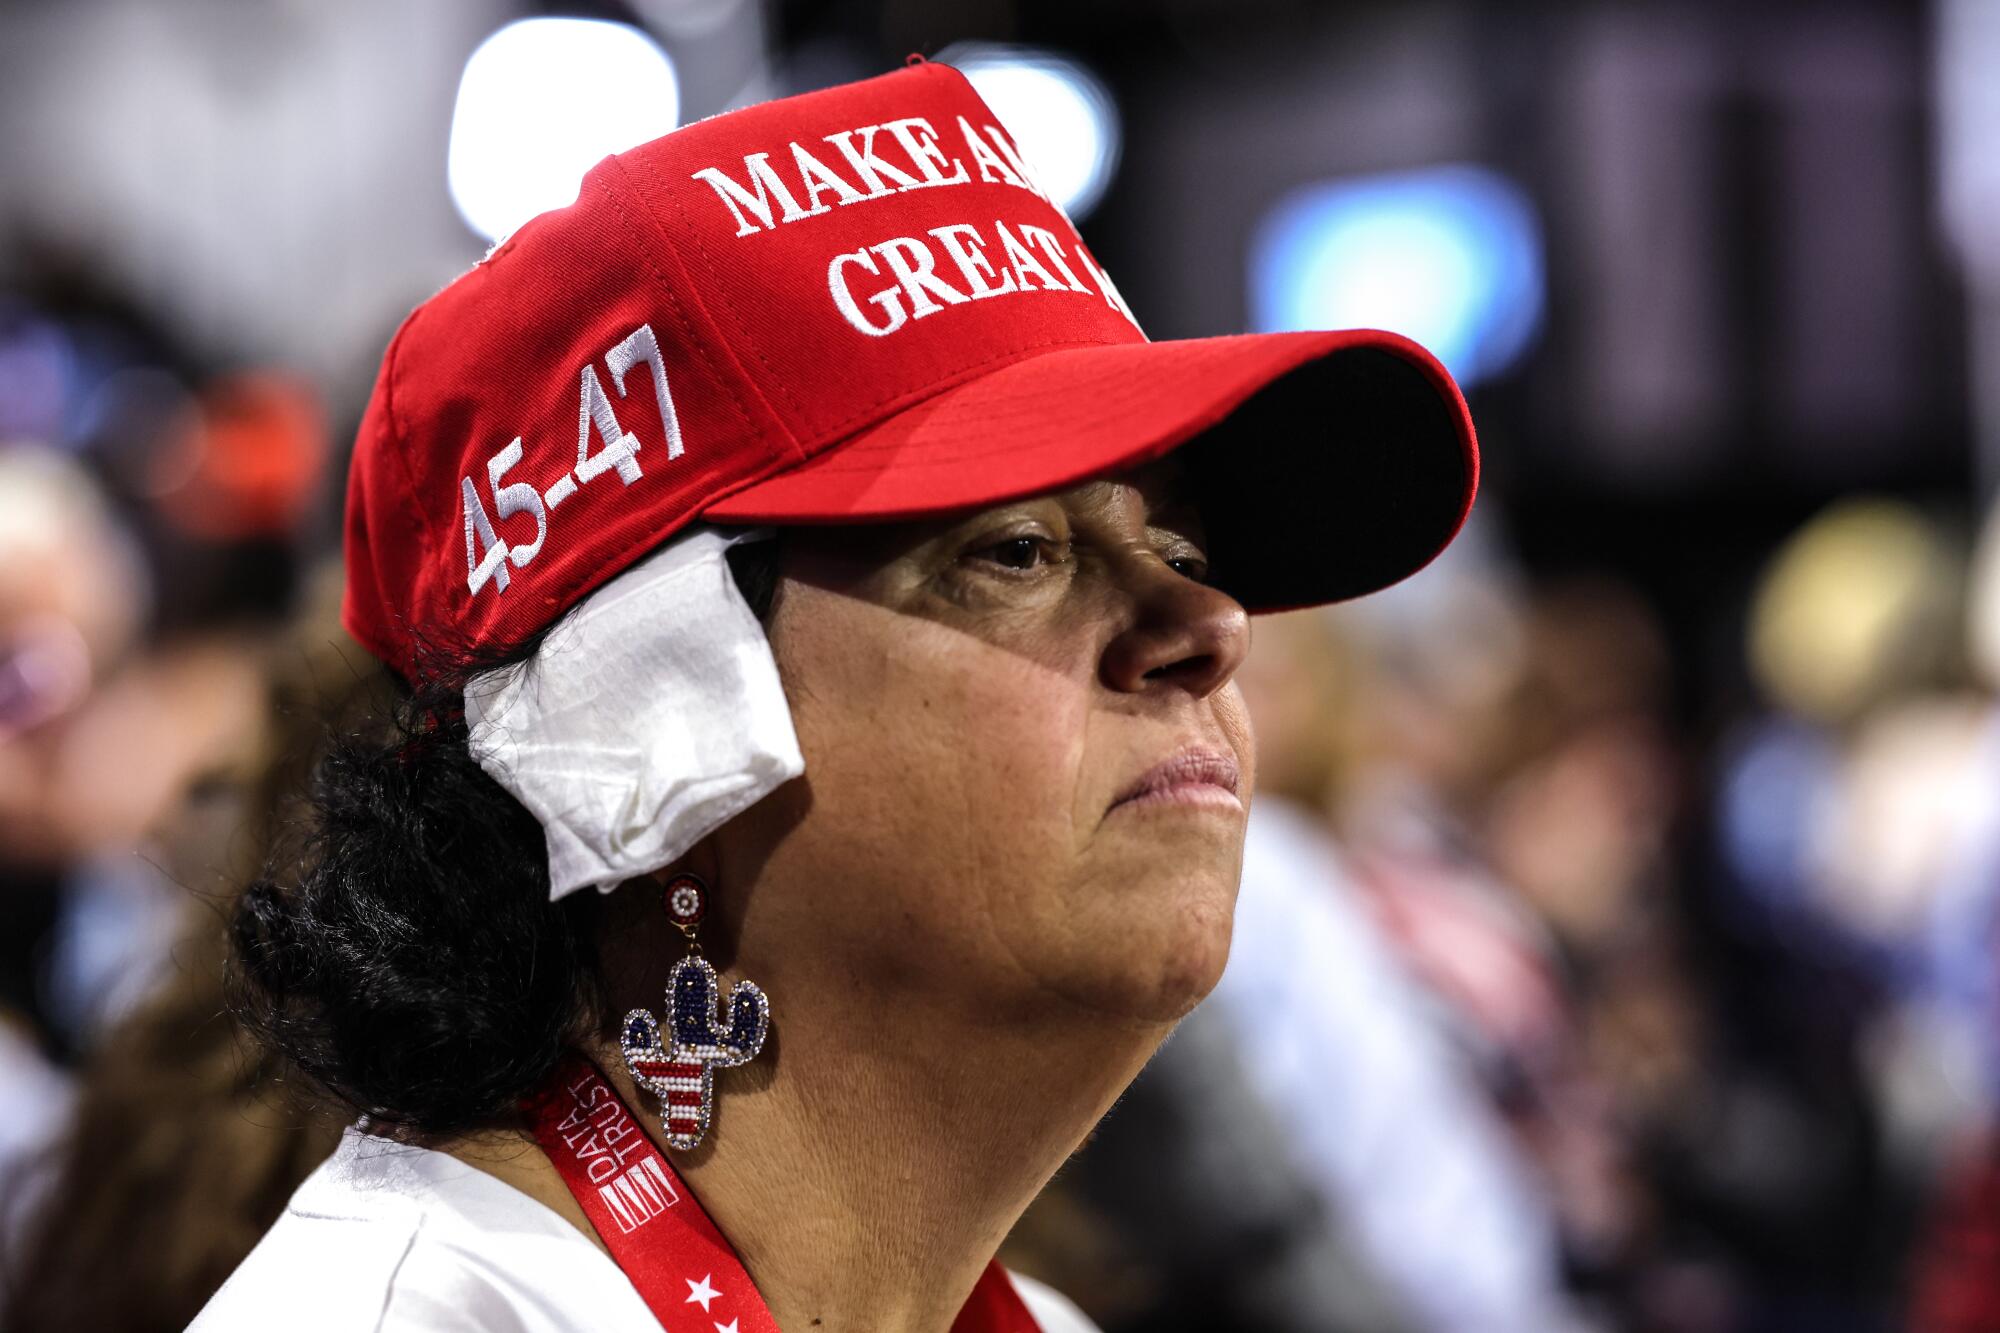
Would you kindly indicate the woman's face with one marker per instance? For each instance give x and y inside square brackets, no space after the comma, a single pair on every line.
[974,696]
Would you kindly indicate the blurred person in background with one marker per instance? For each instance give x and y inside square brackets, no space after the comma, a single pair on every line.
[1457,697]
[147,551]
[184,1141]
[151,530]
[1512,807]
[1860,958]
[1378,1104]
[1937,1054]
[70,605]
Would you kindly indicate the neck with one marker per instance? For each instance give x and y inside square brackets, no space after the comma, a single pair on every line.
[865,1172]
[871,1181]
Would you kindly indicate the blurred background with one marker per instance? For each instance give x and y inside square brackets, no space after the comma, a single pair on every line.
[1618,947]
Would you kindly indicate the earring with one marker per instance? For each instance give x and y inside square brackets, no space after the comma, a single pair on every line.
[702,1036]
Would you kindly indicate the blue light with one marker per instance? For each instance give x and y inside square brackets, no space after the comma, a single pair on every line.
[1450,256]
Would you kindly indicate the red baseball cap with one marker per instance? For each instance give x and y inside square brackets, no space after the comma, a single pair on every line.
[850,305]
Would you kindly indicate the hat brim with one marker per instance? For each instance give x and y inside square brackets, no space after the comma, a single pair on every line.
[1326,465]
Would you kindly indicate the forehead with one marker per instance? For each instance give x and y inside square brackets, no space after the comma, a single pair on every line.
[1159,492]
[1160,486]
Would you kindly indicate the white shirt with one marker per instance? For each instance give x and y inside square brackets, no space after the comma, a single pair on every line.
[36,1103]
[393,1238]
[1335,1039]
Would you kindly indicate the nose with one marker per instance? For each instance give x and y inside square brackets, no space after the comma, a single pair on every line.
[1183,635]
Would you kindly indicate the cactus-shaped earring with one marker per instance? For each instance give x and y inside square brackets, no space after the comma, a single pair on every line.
[701,1035]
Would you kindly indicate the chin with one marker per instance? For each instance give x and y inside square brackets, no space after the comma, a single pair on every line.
[1188,973]
[1156,969]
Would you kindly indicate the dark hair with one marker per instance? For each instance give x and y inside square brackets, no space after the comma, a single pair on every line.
[405,956]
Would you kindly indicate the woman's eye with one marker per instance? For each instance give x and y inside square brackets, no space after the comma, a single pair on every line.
[1020,553]
[1189,567]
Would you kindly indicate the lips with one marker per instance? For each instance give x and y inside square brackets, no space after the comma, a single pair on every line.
[1194,773]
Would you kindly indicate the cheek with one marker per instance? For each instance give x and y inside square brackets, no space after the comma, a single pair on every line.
[1145,930]
[1232,714]
[935,761]
[949,837]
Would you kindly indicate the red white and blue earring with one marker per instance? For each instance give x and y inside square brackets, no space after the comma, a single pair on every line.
[702,1034]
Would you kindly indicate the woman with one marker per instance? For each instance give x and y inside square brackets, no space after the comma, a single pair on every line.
[913,828]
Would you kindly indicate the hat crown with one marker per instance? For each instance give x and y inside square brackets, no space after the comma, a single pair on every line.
[717,305]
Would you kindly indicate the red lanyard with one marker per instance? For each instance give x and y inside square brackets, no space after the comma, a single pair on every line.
[657,1231]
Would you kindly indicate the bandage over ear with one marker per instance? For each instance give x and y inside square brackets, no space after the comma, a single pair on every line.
[648,719]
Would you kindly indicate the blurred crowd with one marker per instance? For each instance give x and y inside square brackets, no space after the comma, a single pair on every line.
[1600,964]
[168,645]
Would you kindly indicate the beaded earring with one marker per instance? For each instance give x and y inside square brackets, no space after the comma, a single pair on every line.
[702,1035]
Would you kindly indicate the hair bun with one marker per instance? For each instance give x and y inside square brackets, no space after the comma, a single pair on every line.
[415,968]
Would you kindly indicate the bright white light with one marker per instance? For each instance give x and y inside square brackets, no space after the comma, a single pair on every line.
[1449,256]
[1058,112]
[540,103]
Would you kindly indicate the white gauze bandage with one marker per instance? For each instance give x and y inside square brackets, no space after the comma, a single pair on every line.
[649,718]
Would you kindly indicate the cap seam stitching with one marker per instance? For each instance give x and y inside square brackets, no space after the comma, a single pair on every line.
[708,265]
[391,359]
[695,343]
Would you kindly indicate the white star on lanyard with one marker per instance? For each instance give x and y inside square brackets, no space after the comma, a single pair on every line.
[729,1327]
[700,1291]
